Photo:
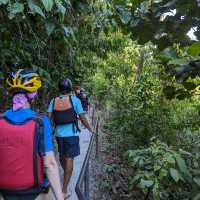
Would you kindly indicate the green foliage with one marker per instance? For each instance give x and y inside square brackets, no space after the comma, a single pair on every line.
[167,21]
[164,23]
[132,57]
[58,37]
[130,83]
[194,49]
[35,9]
[181,67]
[48,4]
[14,9]
[112,168]
[190,140]
[160,170]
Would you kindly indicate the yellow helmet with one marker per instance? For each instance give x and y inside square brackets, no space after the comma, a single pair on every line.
[24,80]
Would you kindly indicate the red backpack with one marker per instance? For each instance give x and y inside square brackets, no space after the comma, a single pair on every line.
[21,151]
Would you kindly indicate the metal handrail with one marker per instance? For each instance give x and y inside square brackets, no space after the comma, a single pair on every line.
[84,174]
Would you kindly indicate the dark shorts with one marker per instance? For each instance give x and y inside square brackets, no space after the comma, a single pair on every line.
[68,146]
[20,197]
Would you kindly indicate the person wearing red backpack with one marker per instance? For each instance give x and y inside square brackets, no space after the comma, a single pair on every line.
[26,149]
[64,111]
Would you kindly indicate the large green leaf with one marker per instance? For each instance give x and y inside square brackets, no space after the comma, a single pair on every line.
[137,3]
[68,31]
[61,8]
[48,4]
[145,183]
[197,181]
[174,174]
[49,27]
[181,164]
[189,85]
[183,95]
[163,173]
[136,179]
[42,72]
[169,92]
[169,158]
[35,8]
[182,167]
[194,49]
[179,61]
[3,2]
[125,17]
[168,54]
[197,197]
[14,9]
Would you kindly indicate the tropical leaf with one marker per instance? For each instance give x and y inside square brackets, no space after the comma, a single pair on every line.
[169,92]
[14,9]
[197,181]
[49,27]
[145,184]
[174,174]
[194,49]
[180,61]
[168,54]
[125,17]
[35,8]
[61,8]
[197,197]
[189,85]
[68,31]
[182,166]
[48,4]
[3,2]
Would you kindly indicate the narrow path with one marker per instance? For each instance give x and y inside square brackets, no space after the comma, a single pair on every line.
[78,162]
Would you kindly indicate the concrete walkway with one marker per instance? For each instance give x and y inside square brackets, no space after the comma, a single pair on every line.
[78,162]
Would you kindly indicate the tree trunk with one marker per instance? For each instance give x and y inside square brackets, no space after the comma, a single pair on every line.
[140,65]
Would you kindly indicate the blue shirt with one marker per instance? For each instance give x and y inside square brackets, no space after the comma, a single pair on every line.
[67,130]
[22,115]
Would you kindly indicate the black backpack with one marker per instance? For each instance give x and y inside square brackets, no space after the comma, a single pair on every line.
[67,116]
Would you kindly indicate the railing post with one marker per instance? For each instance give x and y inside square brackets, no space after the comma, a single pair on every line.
[87,187]
[97,140]
[93,110]
[82,186]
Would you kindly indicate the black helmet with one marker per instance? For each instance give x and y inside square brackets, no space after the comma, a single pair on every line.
[82,90]
[65,85]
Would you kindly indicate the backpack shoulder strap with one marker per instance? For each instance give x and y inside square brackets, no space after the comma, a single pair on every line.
[39,118]
[76,122]
[54,99]
[70,98]
[40,132]
[38,145]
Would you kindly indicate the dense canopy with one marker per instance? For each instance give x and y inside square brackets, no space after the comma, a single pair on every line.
[139,60]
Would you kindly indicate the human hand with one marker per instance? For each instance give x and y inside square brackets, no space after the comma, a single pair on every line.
[60,196]
[93,131]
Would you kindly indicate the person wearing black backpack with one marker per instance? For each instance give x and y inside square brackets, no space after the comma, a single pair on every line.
[26,149]
[64,111]
[81,94]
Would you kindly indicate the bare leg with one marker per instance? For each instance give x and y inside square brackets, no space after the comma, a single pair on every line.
[62,162]
[67,173]
[47,196]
